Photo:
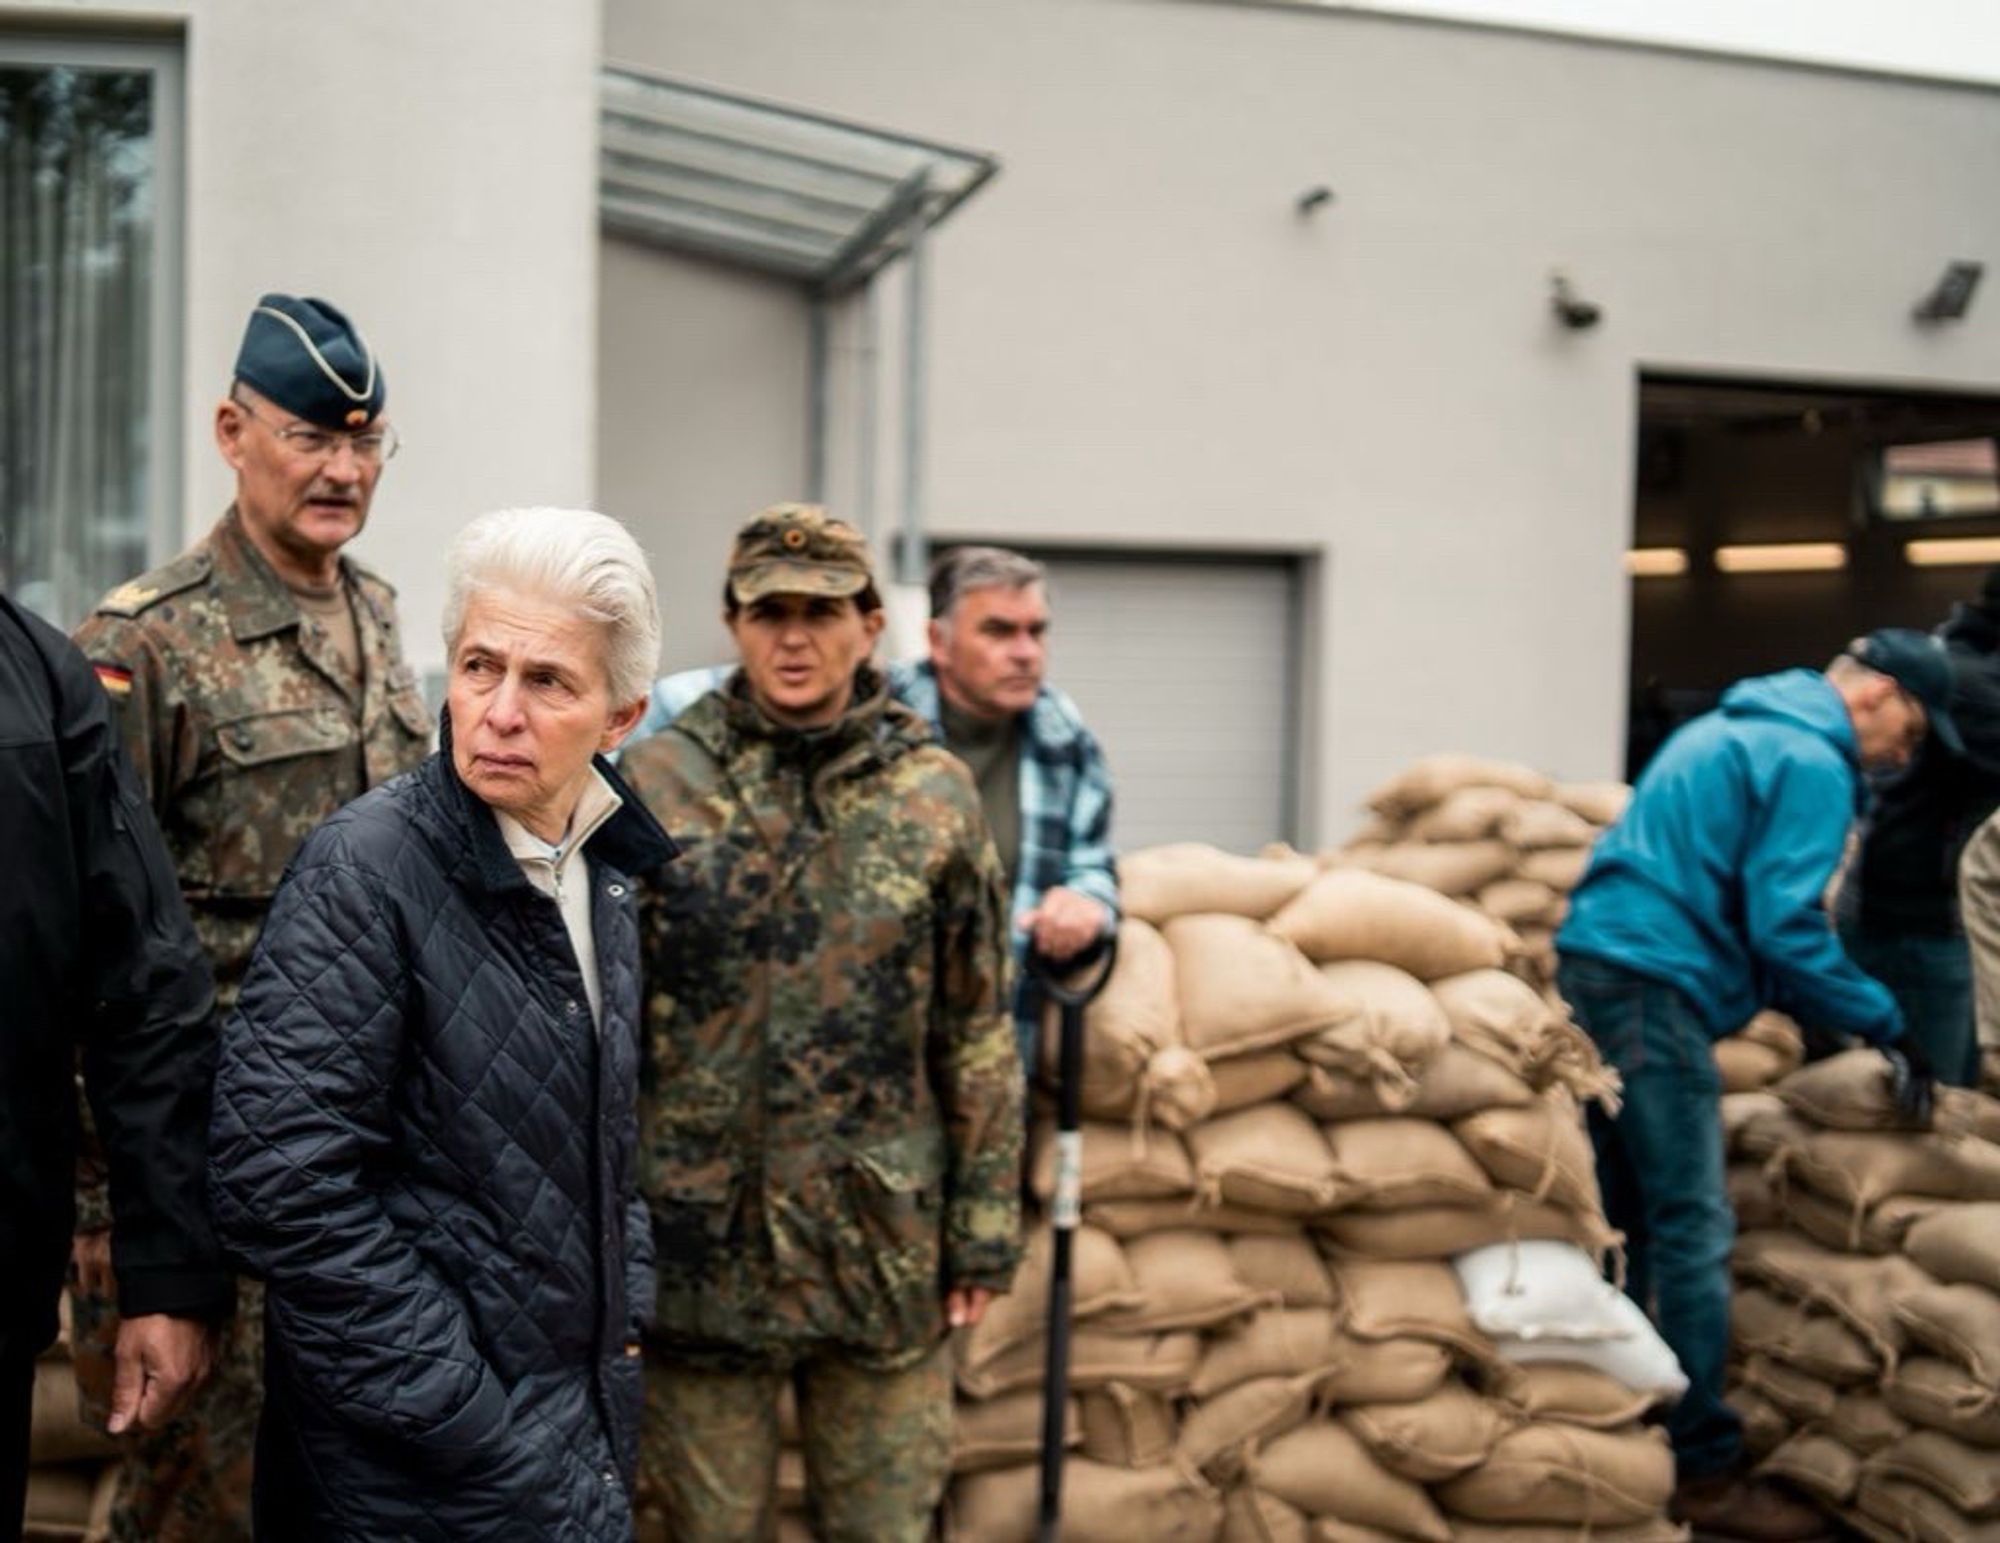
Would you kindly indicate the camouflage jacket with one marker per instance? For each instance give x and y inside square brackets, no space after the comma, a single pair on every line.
[233,712]
[830,1101]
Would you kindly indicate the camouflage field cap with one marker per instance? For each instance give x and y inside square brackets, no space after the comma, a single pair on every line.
[796,549]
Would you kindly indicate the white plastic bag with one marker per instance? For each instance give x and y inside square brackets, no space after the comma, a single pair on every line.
[1640,1358]
[1537,1289]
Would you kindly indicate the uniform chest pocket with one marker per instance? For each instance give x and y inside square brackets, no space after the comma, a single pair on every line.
[278,775]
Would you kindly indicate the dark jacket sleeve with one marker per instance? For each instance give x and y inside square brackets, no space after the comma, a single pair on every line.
[301,1133]
[148,1037]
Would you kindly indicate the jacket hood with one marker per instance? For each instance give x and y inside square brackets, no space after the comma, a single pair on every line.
[1803,697]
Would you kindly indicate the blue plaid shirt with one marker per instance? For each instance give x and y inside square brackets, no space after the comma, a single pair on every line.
[1065,801]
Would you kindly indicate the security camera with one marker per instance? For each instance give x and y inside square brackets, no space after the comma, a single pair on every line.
[1571,309]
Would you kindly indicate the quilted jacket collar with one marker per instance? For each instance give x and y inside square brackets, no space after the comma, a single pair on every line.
[631,841]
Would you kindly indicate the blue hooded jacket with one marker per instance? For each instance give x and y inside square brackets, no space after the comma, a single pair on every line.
[1713,880]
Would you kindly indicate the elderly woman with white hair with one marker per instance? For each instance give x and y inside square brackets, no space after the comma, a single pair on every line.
[423,1138]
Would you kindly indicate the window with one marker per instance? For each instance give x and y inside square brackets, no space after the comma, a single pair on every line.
[1947,478]
[89,310]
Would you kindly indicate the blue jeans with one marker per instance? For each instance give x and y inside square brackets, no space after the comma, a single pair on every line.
[1660,1163]
[1930,976]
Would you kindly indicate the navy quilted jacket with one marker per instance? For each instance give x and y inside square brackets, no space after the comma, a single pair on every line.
[423,1149]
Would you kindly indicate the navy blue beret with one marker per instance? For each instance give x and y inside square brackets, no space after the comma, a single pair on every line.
[306,357]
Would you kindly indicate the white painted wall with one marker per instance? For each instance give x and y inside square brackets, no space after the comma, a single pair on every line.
[1135,339]
[431,169]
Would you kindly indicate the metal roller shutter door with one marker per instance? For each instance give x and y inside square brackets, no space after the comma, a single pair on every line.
[1184,668]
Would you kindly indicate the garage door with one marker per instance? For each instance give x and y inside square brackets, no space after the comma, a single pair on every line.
[1185,669]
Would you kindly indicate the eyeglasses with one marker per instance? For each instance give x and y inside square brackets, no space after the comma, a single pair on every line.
[371,447]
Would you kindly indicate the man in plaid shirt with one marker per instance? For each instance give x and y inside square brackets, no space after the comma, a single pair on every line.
[1042,777]
[1041,773]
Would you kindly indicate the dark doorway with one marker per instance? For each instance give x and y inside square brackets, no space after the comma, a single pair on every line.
[1861,473]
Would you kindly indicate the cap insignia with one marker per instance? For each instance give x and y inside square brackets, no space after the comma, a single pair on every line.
[357,416]
[794,539]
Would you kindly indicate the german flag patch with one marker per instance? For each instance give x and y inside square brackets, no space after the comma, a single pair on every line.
[114,678]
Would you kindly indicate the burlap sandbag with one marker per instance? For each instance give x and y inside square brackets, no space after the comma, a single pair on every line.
[1218,1432]
[1126,1219]
[1863,1291]
[1101,1281]
[1387,1371]
[1349,914]
[1435,778]
[1533,824]
[1284,1266]
[1000,1432]
[1456,1083]
[1567,1473]
[1470,814]
[1746,1066]
[1397,1164]
[1766,1131]
[1560,868]
[1601,803]
[1776,1029]
[1127,1427]
[1507,1020]
[1270,1157]
[1243,988]
[1275,1342]
[1156,884]
[1242,1080]
[1938,1394]
[1163,1363]
[1858,1168]
[1960,1244]
[1101,1504]
[1759,1318]
[1766,1427]
[1394,1299]
[1752,1197]
[57,1433]
[1567,1393]
[1136,1016]
[1396,1033]
[1960,1323]
[1186,1280]
[1251,1516]
[1119,1163]
[1739,1110]
[1833,1224]
[1814,1342]
[1966,1475]
[1438,1232]
[1905,1512]
[1863,1422]
[1816,1464]
[1323,1469]
[1542,1149]
[1520,902]
[1802,1399]
[1455,868]
[1435,1438]
[1655,1530]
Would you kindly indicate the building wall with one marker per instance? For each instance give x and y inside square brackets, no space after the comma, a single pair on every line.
[432,170]
[1136,339]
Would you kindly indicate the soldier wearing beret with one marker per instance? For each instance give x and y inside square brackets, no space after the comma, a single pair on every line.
[830,1100]
[260,685]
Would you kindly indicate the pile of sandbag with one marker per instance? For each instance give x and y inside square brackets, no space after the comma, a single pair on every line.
[70,1462]
[1866,1319]
[1314,1100]
[1500,836]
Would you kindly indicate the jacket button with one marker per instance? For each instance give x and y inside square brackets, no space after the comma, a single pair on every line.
[244,739]
[616,891]
[570,1008]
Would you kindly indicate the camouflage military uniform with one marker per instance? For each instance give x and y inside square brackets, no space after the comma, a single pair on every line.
[830,1115]
[234,713]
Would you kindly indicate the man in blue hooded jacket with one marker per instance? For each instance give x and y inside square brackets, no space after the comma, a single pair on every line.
[1703,904]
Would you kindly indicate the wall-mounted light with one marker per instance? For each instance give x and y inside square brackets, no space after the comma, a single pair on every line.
[1951,297]
[1656,562]
[1572,310]
[1949,551]
[1782,557]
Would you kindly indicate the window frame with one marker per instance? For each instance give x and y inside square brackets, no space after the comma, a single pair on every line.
[161,56]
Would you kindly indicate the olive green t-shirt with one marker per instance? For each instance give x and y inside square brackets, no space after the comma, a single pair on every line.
[991,747]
